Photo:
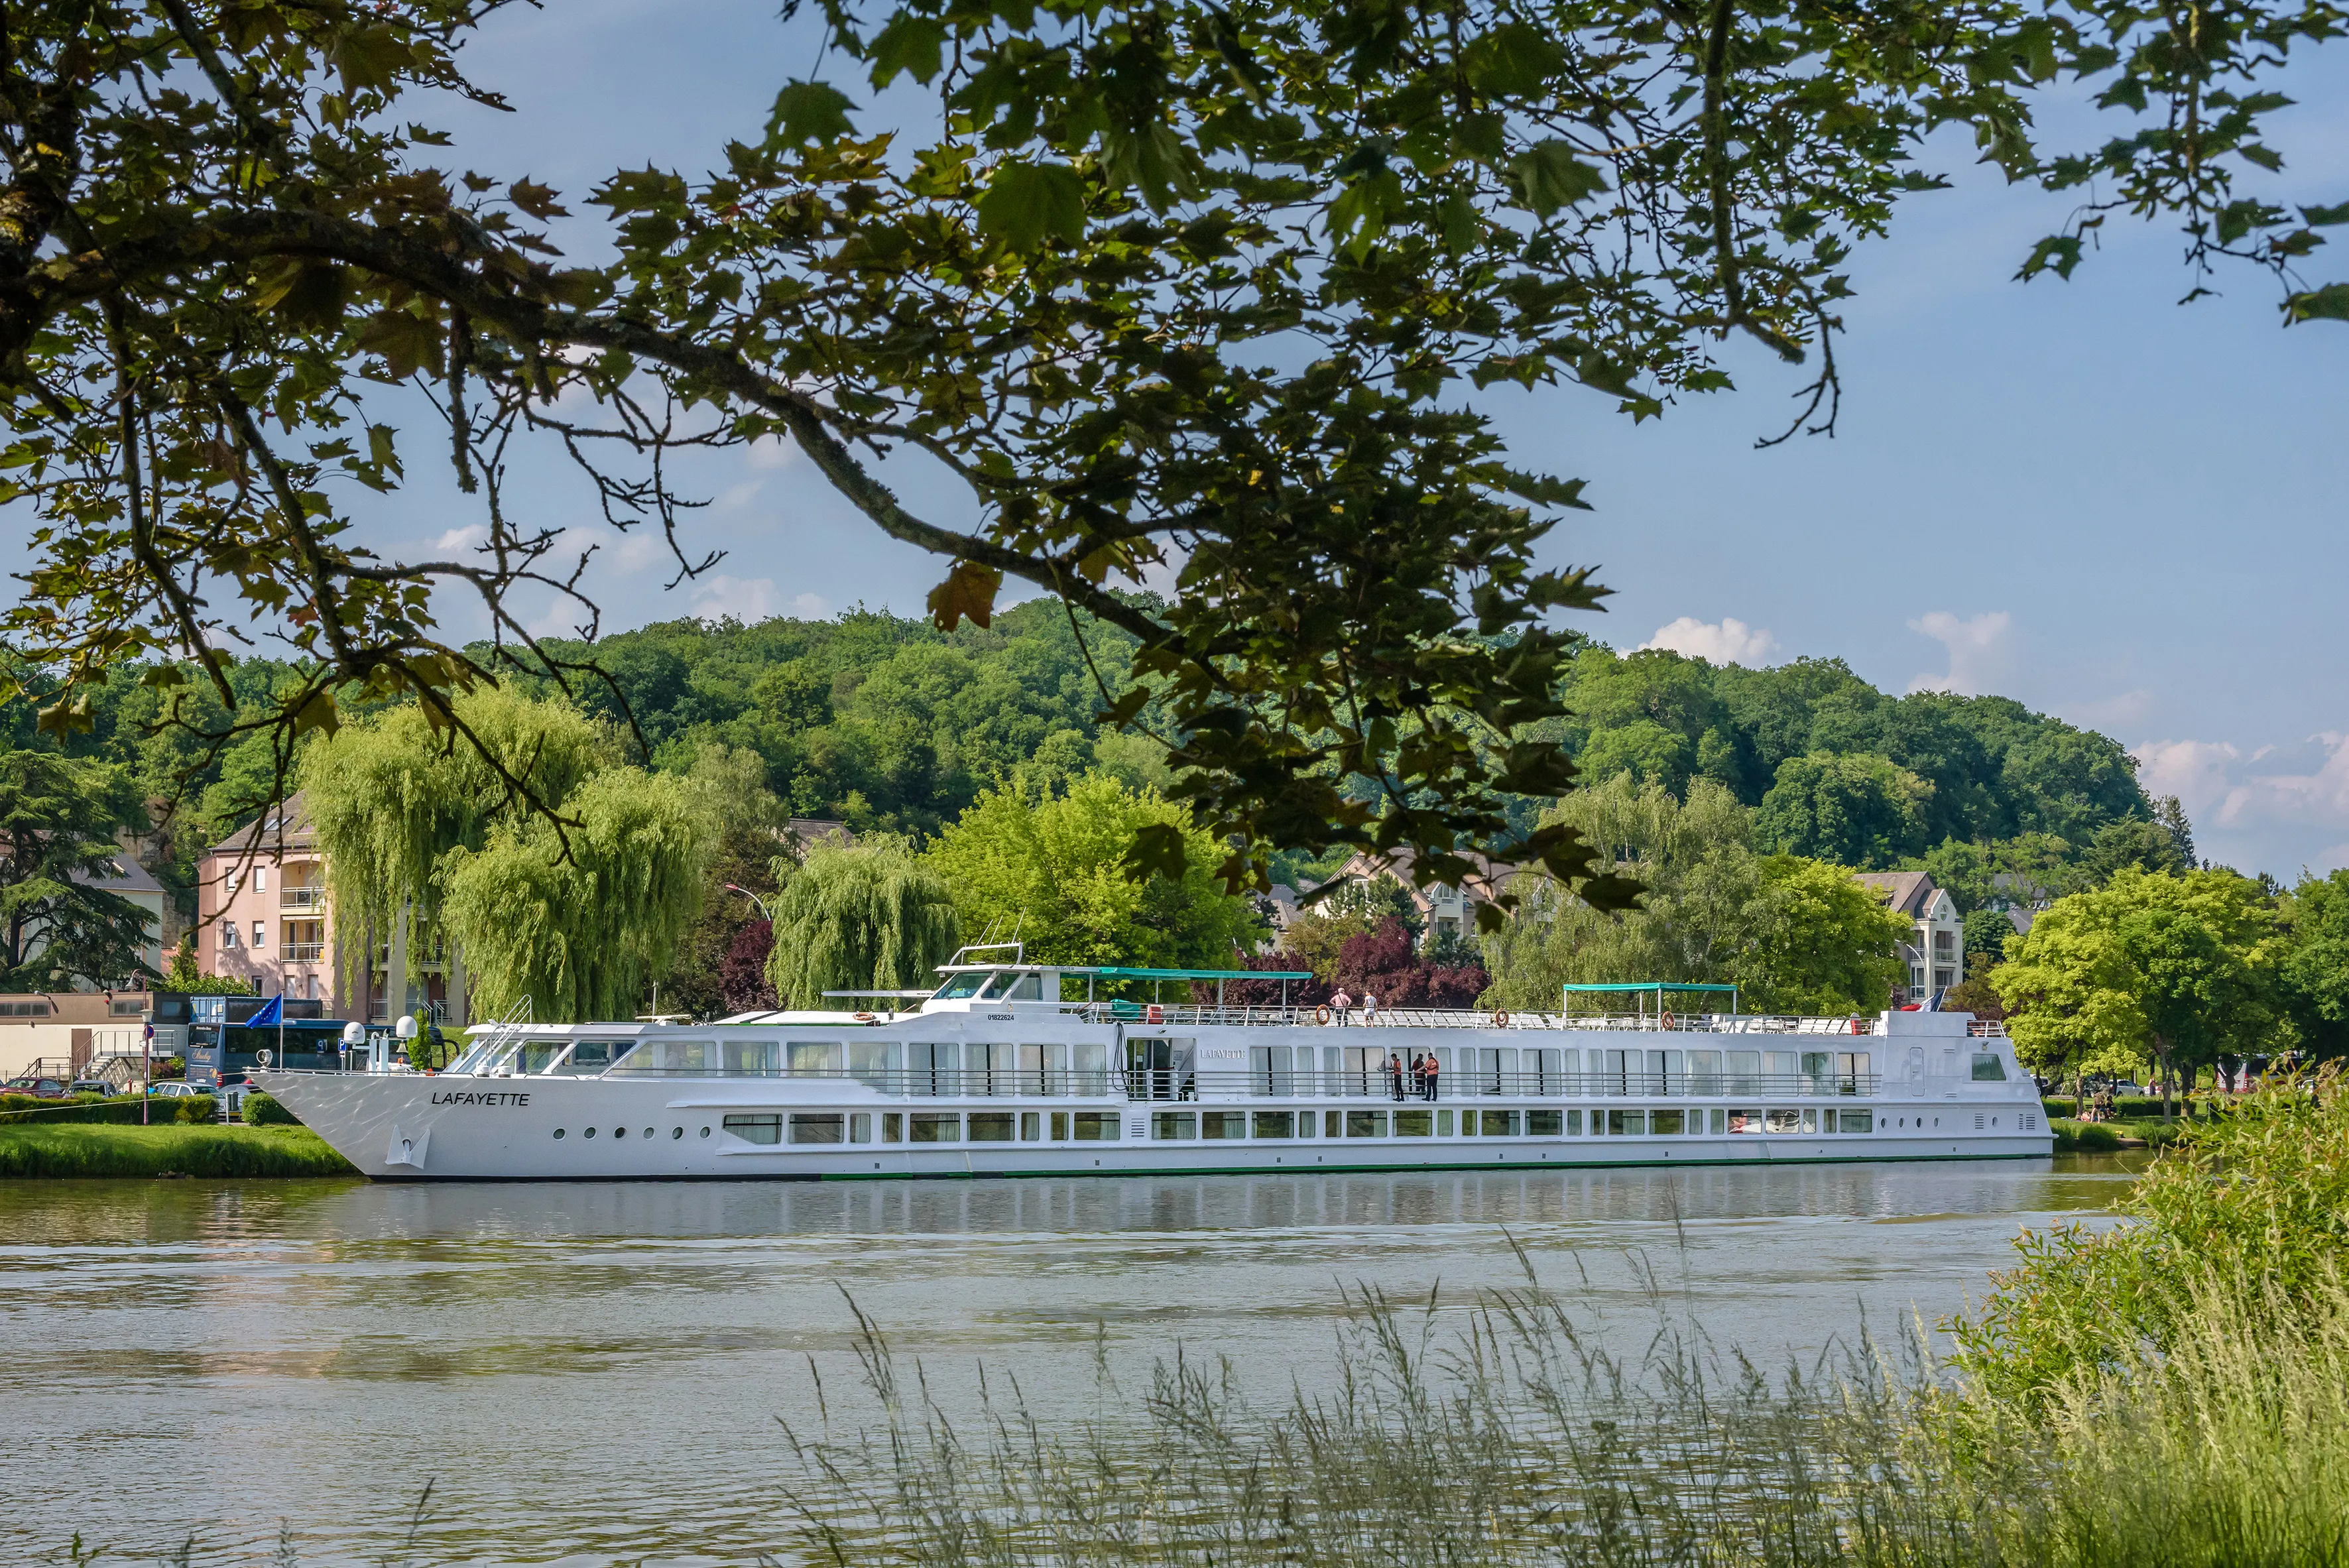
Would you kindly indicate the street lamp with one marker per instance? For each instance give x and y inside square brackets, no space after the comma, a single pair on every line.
[754,898]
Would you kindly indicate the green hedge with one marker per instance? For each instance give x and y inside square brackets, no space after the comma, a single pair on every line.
[2125,1108]
[263,1111]
[37,1151]
[2084,1137]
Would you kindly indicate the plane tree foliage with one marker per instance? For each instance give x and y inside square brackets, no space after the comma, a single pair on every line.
[2161,969]
[1178,286]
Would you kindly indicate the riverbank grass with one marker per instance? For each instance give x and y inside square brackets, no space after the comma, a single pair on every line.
[54,1150]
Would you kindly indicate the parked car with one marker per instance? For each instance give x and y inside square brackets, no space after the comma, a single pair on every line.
[94,1086]
[174,1089]
[39,1089]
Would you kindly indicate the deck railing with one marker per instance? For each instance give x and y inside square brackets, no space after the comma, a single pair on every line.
[1160,1084]
[1144,1017]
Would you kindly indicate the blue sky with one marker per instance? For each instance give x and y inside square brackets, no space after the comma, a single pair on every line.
[2080,495]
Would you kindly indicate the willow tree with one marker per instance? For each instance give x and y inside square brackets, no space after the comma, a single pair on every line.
[1178,293]
[391,795]
[579,918]
[869,917]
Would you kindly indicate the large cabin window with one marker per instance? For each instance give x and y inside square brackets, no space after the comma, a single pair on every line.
[1096,1127]
[989,1127]
[1414,1124]
[989,1067]
[753,1059]
[1276,1124]
[1668,1123]
[1173,1126]
[1545,1123]
[936,1127]
[1366,1124]
[816,1127]
[1627,1123]
[681,1058]
[1498,1124]
[1223,1124]
[872,1063]
[815,1059]
[959,987]
[590,1057]
[1704,1072]
[933,1068]
[1090,1067]
[1044,1070]
[756,1128]
[1988,1067]
[1784,1122]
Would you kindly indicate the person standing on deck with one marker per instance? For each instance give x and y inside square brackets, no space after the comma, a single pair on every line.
[1342,1005]
[1431,1075]
[1419,1074]
[1370,1008]
[1395,1074]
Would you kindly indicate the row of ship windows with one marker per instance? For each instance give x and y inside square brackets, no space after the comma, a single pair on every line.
[1185,1126]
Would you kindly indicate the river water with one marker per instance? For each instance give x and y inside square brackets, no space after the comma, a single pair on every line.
[595,1374]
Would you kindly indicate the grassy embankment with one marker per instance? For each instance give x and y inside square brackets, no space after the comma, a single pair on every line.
[36,1149]
[2172,1391]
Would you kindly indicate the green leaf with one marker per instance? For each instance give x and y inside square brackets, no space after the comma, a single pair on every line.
[911,44]
[2330,302]
[1549,177]
[406,343]
[315,297]
[1515,59]
[538,200]
[2058,253]
[967,593]
[1026,204]
[1158,851]
[809,111]
[2324,217]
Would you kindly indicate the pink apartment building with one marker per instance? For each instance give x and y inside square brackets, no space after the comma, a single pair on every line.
[263,914]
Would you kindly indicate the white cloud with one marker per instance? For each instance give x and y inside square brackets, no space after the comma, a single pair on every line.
[471,536]
[743,598]
[2260,809]
[736,497]
[1728,641]
[811,607]
[773,453]
[1982,651]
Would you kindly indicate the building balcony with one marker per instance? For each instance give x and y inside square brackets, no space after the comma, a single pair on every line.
[301,898]
[302,952]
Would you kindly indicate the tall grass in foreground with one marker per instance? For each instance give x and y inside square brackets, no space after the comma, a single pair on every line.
[51,1151]
[1513,1439]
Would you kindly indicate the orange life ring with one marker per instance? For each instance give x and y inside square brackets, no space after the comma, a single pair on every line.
[1322,1013]
[1666,1021]
[1500,1017]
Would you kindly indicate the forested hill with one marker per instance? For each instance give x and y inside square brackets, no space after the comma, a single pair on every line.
[890,723]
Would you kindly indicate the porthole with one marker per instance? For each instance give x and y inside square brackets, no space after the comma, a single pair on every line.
[648,1132]
[589,1133]
[619,1132]
[558,1132]
[705,1132]
[677,1132]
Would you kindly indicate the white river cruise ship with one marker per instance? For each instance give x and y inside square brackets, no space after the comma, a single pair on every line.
[992,1076]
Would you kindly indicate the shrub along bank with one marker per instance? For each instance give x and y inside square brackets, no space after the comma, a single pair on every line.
[47,1149]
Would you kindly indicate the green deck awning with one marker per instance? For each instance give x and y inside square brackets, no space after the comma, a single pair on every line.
[1650,985]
